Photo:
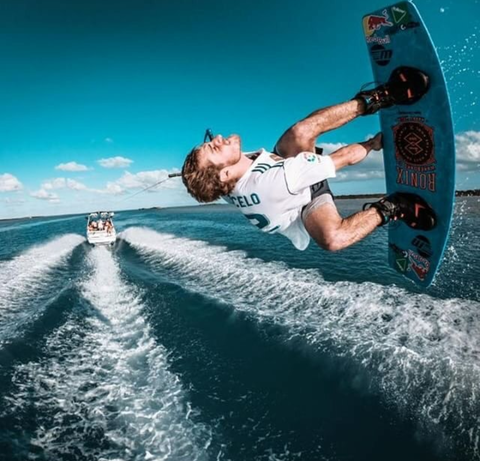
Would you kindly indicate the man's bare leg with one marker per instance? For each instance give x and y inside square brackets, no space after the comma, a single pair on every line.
[303,135]
[332,232]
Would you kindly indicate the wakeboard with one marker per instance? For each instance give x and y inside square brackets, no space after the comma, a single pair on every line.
[419,148]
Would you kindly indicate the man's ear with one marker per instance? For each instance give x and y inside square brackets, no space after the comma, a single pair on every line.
[224,174]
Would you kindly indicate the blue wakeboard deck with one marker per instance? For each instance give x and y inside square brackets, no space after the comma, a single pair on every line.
[419,148]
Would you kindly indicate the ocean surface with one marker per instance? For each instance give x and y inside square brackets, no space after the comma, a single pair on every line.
[197,337]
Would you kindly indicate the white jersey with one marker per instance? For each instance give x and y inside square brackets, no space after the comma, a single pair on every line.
[274,190]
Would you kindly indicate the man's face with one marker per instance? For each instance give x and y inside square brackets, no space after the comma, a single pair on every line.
[220,151]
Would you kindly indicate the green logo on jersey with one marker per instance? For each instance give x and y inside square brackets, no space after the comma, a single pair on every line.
[312,158]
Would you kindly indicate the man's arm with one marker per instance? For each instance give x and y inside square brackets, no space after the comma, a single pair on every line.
[355,153]
[302,136]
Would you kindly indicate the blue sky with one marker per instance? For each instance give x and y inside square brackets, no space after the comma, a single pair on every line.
[103,98]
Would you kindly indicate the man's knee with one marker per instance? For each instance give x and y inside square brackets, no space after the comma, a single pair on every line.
[295,140]
[302,135]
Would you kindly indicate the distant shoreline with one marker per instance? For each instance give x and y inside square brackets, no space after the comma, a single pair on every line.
[458,193]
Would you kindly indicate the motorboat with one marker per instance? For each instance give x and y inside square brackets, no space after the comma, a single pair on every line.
[100,228]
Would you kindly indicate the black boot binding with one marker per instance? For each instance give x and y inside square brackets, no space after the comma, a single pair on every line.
[409,208]
[405,86]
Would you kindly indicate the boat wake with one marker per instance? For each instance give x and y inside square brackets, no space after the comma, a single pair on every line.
[104,388]
[420,353]
[22,278]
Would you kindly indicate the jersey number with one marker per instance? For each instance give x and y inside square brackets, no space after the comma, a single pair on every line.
[258,220]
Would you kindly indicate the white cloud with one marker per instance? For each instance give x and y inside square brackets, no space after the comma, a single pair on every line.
[9,183]
[71,166]
[109,140]
[112,188]
[330,147]
[62,183]
[57,183]
[127,181]
[115,162]
[468,150]
[75,185]
[370,168]
[42,194]
[345,175]
[13,201]
[140,181]
[468,158]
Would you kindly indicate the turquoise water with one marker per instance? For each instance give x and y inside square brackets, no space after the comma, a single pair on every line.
[199,338]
